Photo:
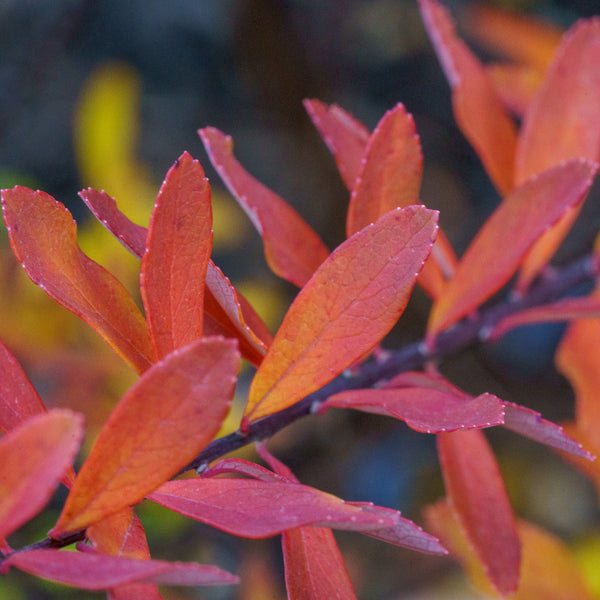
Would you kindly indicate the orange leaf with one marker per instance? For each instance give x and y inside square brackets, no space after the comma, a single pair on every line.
[521,218]
[562,122]
[548,570]
[91,571]
[382,170]
[122,534]
[390,174]
[578,359]
[227,312]
[348,306]
[314,566]
[104,208]
[18,398]
[516,85]
[479,501]
[43,237]
[345,136]
[168,416]
[174,264]
[522,39]
[292,248]
[33,457]
[390,177]
[477,109]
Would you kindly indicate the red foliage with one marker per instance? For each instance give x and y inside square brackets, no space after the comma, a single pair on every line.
[187,345]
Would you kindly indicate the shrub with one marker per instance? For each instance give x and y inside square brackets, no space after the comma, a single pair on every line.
[187,343]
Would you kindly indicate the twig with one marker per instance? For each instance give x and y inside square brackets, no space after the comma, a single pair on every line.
[466,333]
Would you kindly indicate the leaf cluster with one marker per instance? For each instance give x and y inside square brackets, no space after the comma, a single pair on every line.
[187,342]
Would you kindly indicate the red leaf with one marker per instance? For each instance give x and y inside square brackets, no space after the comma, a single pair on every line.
[314,567]
[530,424]
[549,571]
[122,534]
[345,137]
[384,166]
[390,177]
[591,469]
[170,414]
[478,111]
[91,571]
[178,248]
[226,312]
[350,304]
[519,419]
[563,310]
[522,217]
[562,122]
[390,173]
[43,237]
[245,507]
[423,409]
[292,248]
[104,208]
[479,501]
[18,398]
[402,533]
[33,458]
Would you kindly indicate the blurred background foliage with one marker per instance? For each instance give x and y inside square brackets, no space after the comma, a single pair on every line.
[108,93]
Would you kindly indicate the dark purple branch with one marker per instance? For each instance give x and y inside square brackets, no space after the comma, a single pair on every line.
[466,333]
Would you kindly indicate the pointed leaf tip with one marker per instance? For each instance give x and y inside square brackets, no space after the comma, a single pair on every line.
[292,248]
[390,173]
[105,209]
[348,306]
[345,136]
